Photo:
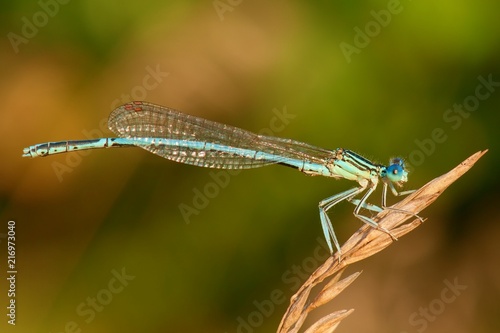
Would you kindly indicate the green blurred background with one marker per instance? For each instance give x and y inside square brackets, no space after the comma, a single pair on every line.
[82,219]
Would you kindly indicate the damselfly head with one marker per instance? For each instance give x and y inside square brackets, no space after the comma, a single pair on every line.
[396,172]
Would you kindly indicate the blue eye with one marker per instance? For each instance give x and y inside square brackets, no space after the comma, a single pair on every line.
[396,171]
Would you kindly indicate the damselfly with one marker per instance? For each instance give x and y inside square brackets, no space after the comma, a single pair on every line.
[191,140]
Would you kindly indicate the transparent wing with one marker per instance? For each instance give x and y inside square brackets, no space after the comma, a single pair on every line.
[141,120]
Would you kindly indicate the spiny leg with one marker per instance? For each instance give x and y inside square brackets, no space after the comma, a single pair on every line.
[362,203]
[396,194]
[326,224]
[366,205]
[377,209]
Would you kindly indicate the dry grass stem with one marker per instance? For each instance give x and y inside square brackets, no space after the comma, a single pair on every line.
[364,243]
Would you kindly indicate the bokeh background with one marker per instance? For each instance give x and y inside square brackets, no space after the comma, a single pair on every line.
[378,77]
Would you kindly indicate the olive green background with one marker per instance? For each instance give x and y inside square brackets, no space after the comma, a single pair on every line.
[381,78]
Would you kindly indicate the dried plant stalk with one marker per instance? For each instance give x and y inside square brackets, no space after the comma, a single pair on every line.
[364,243]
